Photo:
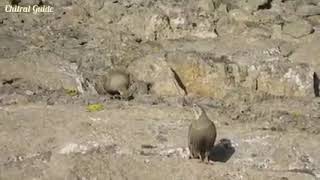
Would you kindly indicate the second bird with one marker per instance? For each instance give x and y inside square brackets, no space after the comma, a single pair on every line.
[117,82]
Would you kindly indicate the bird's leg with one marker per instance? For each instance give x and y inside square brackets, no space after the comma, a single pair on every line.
[191,156]
[202,157]
[207,160]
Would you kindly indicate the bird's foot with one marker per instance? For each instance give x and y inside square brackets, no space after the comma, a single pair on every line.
[210,162]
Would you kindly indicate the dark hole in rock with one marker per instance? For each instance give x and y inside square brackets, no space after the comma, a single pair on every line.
[179,81]
[40,3]
[149,85]
[15,2]
[22,21]
[138,40]
[114,93]
[10,81]
[267,5]
[83,43]
[129,98]
[117,95]
[316,82]
[148,146]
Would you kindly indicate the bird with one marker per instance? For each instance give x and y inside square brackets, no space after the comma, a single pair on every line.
[201,135]
[116,82]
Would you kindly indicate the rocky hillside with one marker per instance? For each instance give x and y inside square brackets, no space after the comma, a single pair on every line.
[254,65]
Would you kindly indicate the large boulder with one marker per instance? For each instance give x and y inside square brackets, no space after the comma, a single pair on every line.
[218,76]
[155,70]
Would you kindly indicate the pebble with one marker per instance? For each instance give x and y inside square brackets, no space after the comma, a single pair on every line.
[29,93]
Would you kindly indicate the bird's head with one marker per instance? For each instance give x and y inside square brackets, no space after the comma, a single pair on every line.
[197,110]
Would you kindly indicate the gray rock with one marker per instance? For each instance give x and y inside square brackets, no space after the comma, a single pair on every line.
[268,17]
[308,10]
[29,2]
[308,52]
[226,26]
[260,32]
[253,5]
[314,20]
[139,88]
[241,15]
[13,99]
[11,46]
[158,73]
[58,3]
[44,69]
[298,29]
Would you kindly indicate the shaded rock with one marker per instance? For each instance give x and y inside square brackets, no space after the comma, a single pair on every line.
[46,70]
[3,3]
[260,32]
[10,46]
[154,70]
[147,25]
[277,33]
[314,20]
[29,2]
[139,88]
[253,5]
[205,7]
[286,49]
[91,7]
[227,4]
[57,3]
[283,79]
[227,26]
[203,30]
[204,77]
[13,99]
[309,53]
[217,76]
[268,16]
[298,29]
[158,27]
[110,13]
[241,15]
[308,10]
